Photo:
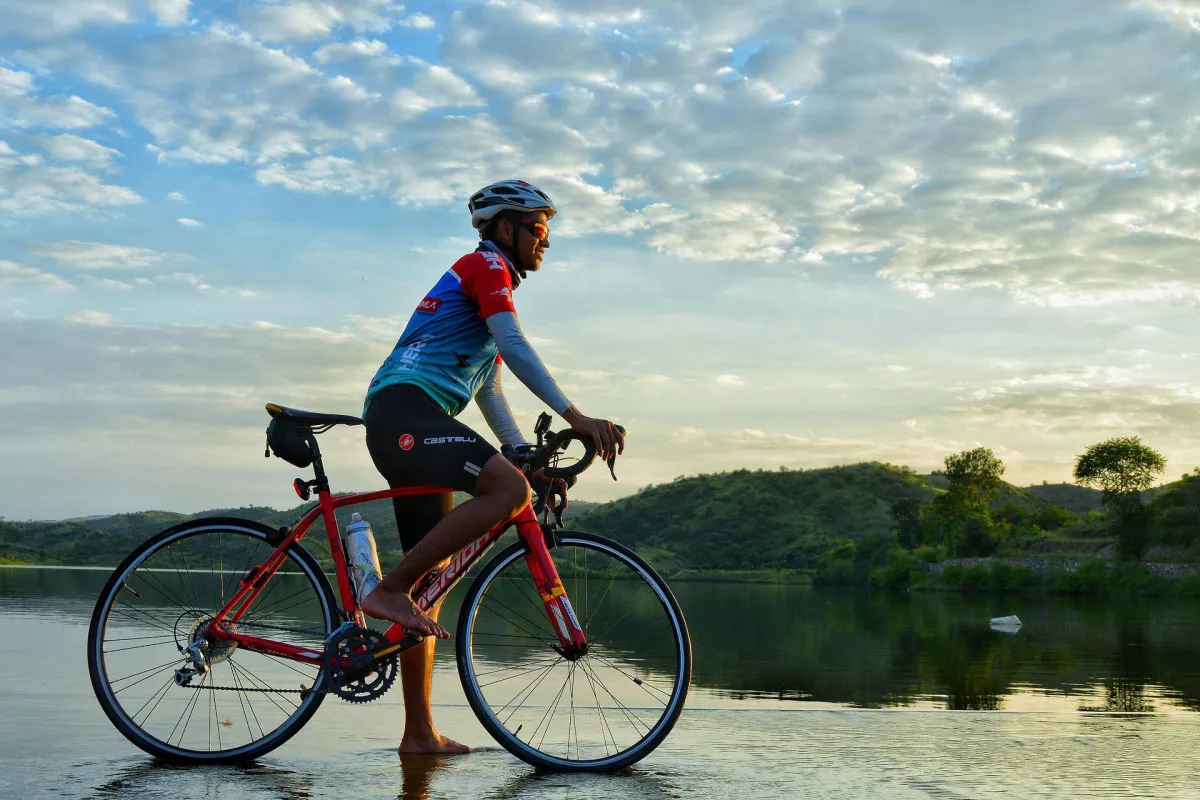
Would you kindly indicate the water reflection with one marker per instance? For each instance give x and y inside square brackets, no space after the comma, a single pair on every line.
[875,650]
[151,778]
[418,774]
[804,646]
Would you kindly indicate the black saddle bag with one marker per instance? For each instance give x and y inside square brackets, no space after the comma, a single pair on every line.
[289,441]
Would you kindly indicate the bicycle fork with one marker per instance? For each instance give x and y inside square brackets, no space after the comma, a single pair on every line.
[573,643]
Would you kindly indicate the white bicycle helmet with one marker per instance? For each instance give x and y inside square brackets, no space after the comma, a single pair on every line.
[508,196]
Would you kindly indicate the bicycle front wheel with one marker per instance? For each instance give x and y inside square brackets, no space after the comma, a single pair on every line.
[601,712]
[157,604]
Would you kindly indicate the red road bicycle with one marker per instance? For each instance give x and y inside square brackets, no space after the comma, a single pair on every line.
[216,640]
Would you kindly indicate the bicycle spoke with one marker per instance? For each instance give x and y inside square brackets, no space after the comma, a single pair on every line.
[527,692]
[260,683]
[152,670]
[178,582]
[157,636]
[187,709]
[533,635]
[521,674]
[284,662]
[603,720]
[146,619]
[245,702]
[641,683]
[160,693]
[548,717]
[628,712]
[590,715]
[261,612]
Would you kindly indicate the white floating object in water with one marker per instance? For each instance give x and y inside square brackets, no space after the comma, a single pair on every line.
[1009,624]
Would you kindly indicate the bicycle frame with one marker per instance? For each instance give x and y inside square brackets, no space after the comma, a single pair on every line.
[432,587]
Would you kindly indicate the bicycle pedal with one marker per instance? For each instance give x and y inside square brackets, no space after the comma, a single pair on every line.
[411,639]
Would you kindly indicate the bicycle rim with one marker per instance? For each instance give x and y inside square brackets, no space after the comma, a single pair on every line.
[601,712]
[157,604]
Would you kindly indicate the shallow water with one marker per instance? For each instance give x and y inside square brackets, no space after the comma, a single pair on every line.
[797,693]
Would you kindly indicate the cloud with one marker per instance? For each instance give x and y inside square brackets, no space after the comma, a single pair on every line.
[922,136]
[12,274]
[45,20]
[96,318]
[305,19]
[69,147]
[29,187]
[23,108]
[728,381]
[177,197]
[96,255]
[188,222]
[421,22]
[342,51]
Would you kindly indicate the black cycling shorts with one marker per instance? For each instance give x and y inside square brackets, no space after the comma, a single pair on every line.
[414,442]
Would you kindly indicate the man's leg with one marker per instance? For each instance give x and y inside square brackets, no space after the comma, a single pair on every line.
[416,678]
[501,491]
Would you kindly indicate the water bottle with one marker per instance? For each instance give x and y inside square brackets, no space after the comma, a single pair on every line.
[362,555]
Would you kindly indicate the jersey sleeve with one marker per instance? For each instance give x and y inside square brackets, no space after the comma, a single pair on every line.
[486,283]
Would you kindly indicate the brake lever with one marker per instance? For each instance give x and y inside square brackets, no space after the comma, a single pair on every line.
[612,457]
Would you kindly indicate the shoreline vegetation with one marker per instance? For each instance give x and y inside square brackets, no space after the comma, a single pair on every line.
[860,525]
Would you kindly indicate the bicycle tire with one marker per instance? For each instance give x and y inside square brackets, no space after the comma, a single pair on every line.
[658,651]
[154,585]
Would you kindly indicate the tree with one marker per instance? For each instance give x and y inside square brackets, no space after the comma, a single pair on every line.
[1119,467]
[906,513]
[1122,468]
[978,471]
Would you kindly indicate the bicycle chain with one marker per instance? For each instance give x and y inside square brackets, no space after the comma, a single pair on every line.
[250,689]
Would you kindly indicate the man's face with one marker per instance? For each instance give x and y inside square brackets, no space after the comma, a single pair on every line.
[532,237]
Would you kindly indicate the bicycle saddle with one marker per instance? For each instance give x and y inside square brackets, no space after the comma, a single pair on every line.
[310,418]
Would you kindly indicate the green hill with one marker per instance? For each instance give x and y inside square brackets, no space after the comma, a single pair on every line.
[747,520]
[1076,499]
[106,540]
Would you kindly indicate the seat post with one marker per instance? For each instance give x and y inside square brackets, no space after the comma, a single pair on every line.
[318,465]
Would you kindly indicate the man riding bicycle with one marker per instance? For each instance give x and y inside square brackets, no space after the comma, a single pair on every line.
[452,350]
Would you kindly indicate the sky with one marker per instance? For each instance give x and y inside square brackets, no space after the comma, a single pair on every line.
[790,234]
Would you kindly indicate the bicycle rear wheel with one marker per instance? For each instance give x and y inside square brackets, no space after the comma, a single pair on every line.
[157,603]
[601,712]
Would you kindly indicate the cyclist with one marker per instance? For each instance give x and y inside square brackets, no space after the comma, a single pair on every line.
[451,351]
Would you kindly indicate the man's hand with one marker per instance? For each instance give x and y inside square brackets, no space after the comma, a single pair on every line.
[609,439]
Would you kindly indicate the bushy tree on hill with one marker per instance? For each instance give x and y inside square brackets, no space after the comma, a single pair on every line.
[978,472]
[961,517]
[1122,468]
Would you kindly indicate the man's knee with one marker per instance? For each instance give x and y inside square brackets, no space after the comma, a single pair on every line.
[502,481]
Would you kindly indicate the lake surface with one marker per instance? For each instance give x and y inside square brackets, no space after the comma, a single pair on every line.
[797,692]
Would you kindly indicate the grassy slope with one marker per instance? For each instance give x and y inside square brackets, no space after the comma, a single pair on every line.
[739,520]
[756,520]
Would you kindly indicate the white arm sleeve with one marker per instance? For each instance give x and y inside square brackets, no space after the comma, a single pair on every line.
[495,409]
[525,364]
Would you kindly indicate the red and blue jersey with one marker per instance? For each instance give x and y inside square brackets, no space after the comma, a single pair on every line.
[446,348]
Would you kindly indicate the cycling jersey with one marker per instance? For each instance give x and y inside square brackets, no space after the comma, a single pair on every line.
[446,348]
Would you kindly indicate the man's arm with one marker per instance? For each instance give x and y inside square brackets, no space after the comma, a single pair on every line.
[496,411]
[524,362]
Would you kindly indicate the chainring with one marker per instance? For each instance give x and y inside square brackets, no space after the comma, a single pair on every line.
[351,671]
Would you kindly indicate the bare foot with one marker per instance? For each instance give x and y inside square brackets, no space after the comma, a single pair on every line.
[429,745]
[399,608]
